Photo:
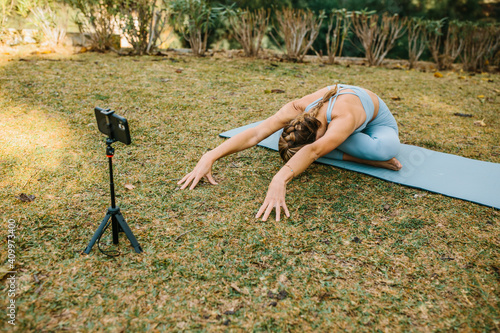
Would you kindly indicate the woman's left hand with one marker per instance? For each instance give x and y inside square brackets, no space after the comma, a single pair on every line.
[275,198]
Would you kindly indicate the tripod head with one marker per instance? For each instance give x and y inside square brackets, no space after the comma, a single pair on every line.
[110,151]
[114,126]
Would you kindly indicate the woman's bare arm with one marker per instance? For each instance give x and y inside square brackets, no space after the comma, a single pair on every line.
[338,131]
[239,142]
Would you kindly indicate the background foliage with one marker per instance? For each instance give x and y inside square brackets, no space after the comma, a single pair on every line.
[218,34]
[471,10]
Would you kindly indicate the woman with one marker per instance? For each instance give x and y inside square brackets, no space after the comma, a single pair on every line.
[341,122]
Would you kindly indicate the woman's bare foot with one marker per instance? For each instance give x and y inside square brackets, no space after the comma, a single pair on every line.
[392,164]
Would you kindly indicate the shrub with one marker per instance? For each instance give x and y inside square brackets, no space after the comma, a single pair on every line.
[338,27]
[480,42]
[417,40]
[444,49]
[6,7]
[299,29]
[142,22]
[42,13]
[98,19]
[377,36]
[193,19]
[249,28]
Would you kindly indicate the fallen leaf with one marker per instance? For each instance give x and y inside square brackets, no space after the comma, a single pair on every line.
[277,91]
[129,186]
[235,287]
[4,270]
[178,70]
[26,198]
[480,123]
[396,98]
[461,77]
[283,279]
[437,74]
[480,96]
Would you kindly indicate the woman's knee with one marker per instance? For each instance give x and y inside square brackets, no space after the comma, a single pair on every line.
[386,150]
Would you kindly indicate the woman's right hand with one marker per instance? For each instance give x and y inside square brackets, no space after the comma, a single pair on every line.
[202,169]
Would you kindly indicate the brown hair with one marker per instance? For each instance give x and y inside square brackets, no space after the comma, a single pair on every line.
[301,130]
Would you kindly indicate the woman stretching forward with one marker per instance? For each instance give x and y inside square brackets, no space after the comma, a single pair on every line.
[341,122]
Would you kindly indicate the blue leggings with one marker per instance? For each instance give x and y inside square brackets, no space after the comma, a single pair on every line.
[378,141]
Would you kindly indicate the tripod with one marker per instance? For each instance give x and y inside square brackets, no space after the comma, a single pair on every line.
[117,221]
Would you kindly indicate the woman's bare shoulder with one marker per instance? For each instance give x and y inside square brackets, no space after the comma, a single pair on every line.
[303,102]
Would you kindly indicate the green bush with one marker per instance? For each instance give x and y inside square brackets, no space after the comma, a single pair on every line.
[98,19]
[50,17]
[193,19]
[249,28]
[142,22]
[298,29]
[377,36]
[480,41]
[6,9]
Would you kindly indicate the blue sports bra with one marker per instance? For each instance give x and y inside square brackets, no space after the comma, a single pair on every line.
[363,96]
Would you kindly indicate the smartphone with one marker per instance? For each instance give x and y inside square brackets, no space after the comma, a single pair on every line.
[111,124]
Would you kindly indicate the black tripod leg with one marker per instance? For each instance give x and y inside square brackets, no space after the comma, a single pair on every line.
[128,232]
[97,233]
[114,224]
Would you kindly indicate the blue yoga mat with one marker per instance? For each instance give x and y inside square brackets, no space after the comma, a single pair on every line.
[450,175]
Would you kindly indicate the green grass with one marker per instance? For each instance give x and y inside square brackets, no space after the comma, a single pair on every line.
[425,262]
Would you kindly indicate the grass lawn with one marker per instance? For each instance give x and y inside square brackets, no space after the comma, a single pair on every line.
[357,253]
